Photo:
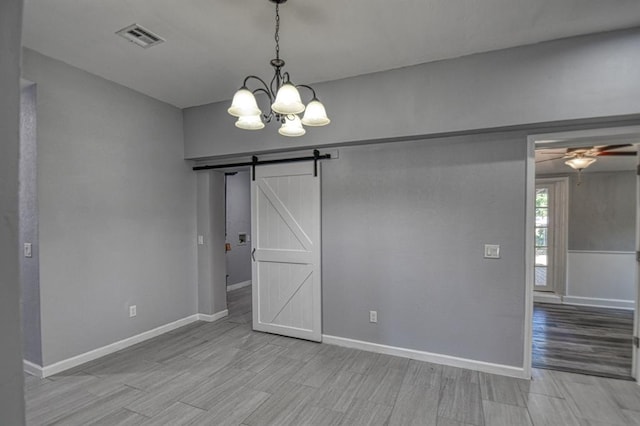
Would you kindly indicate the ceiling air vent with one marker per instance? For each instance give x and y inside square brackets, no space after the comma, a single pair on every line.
[140,36]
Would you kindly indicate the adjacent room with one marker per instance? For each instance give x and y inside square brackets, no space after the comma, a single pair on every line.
[585,266]
[278,212]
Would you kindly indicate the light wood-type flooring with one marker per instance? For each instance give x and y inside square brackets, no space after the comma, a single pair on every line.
[223,373]
[583,340]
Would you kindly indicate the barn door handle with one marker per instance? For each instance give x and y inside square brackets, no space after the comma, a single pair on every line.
[253,252]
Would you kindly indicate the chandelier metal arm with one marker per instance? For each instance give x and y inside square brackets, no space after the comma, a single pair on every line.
[249,77]
[269,116]
[315,98]
[263,90]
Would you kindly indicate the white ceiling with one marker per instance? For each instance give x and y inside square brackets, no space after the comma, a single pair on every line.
[212,44]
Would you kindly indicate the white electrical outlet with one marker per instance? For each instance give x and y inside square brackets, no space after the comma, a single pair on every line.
[133,311]
[373,316]
[200,240]
[27,250]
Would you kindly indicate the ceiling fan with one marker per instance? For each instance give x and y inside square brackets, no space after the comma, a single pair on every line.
[582,157]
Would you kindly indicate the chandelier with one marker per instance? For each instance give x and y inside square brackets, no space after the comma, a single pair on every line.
[284,98]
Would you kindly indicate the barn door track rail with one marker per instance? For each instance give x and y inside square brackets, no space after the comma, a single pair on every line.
[255,161]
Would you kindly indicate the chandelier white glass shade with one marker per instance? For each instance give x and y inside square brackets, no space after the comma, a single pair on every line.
[292,126]
[243,104]
[250,122]
[315,114]
[284,99]
[580,162]
[288,100]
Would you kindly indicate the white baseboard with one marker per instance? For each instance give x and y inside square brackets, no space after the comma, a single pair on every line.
[543,297]
[486,367]
[599,303]
[239,285]
[33,369]
[77,360]
[214,317]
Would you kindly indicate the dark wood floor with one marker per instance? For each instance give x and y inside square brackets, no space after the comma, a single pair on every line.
[585,340]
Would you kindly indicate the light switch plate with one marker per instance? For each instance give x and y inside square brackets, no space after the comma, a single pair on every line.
[200,240]
[491,251]
[27,250]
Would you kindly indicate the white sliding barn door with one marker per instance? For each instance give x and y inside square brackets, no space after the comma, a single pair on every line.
[285,221]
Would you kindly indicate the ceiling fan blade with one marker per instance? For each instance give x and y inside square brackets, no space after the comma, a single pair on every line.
[612,147]
[550,159]
[617,154]
[579,148]
[550,151]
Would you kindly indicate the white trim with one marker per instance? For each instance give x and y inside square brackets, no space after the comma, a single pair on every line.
[72,362]
[238,285]
[544,297]
[601,252]
[486,367]
[559,232]
[599,303]
[635,352]
[33,369]
[529,255]
[214,317]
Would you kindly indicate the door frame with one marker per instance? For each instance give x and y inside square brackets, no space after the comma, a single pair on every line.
[558,223]
[569,139]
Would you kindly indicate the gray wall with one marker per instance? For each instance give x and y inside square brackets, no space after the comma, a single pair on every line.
[11,377]
[29,267]
[404,227]
[404,224]
[602,212]
[238,220]
[212,292]
[576,78]
[117,211]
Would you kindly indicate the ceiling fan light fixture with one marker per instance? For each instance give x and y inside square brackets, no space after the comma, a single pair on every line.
[580,163]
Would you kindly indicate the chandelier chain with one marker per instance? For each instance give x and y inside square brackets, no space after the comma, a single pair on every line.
[277,37]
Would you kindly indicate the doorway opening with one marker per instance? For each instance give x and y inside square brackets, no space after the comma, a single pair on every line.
[238,244]
[584,275]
